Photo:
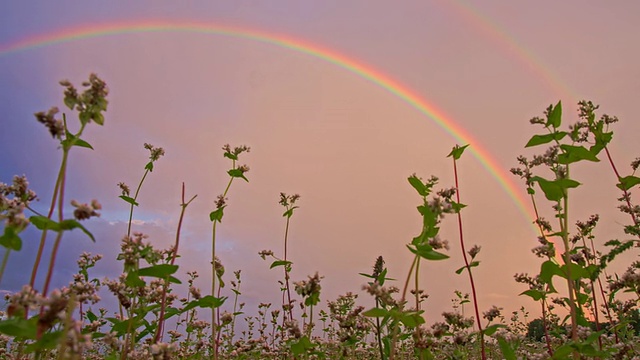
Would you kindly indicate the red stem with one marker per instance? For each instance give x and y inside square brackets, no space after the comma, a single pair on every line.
[626,194]
[160,329]
[466,262]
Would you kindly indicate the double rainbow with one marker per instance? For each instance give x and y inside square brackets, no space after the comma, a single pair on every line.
[287,42]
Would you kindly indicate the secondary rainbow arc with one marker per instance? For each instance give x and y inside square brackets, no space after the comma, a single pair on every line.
[332,56]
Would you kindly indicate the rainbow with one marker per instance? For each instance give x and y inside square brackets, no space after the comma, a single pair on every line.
[329,55]
[472,15]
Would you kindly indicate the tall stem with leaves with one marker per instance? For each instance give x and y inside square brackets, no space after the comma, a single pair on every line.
[423,246]
[183,208]
[216,217]
[455,154]
[90,106]
[155,153]
[288,202]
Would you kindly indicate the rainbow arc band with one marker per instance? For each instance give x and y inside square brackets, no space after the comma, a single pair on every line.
[502,176]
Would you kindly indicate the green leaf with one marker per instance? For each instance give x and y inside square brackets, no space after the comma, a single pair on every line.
[289,212]
[98,118]
[577,271]
[628,182]
[230,156]
[91,316]
[301,346]
[210,302]
[47,341]
[602,140]
[133,280]
[70,101]
[128,199]
[457,206]
[237,173]
[555,190]
[43,223]
[573,154]
[81,143]
[546,138]
[507,350]
[418,185]
[534,294]
[376,312]
[10,239]
[457,151]
[19,327]
[149,166]
[555,116]
[159,271]
[412,319]
[491,329]
[473,264]
[71,224]
[548,270]
[280,263]
[217,215]
[427,252]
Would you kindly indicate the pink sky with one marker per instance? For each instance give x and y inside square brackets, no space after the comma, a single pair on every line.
[343,143]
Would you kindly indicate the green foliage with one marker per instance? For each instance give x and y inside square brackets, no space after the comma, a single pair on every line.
[47,324]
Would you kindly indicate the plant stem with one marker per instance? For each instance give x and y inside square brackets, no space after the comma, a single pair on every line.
[183,206]
[396,322]
[286,272]
[417,284]
[43,237]
[135,197]
[378,335]
[214,274]
[466,263]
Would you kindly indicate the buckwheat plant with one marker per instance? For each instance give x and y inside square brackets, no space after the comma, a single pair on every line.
[578,266]
[155,153]
[90,105]
[422,246]
[473,252]
[236,171]
[14,199]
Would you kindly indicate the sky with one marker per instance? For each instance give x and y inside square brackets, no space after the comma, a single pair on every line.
[340,101]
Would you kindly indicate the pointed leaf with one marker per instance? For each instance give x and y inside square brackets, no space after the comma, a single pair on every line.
[159,271]
[418,185]
[555,116]
[128,199]
[457,151]
[507,351]
[19,327]
[628,182]
[149,166]
[81,143]
[217,215]
[376,312]
[133,280]
[280,263]
[10,239]
[473,264]
[237,173]
[230,156]
[573,154]
[71,224]
[210,302]
[427,252]
[47,341]
[43,223]
[491,329]
[546,138]
[534,294]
